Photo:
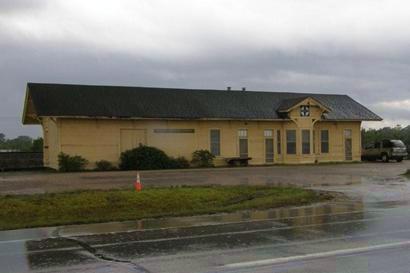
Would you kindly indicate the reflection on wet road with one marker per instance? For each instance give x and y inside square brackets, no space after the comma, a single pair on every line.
[367,232]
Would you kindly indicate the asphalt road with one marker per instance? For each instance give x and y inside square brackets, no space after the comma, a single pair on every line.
[367,232]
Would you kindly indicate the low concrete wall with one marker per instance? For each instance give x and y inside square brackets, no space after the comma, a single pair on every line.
[20,160]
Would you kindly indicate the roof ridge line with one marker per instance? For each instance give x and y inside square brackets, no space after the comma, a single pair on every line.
[182,89]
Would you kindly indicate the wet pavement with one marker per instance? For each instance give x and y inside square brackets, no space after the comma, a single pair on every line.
[300,175]
[366,231]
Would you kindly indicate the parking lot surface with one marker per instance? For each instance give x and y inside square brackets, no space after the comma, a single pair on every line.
[300,175]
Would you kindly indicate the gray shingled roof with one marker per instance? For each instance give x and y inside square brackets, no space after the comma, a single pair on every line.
[147,102]
[288,103]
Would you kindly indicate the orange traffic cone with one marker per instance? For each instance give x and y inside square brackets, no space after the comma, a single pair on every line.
[138,184]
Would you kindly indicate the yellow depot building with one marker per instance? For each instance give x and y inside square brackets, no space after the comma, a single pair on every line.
[100,122]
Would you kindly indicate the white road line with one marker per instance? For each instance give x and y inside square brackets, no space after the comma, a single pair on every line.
[2,242]
[231,233]
[319,255]
[247,249]
[213,251]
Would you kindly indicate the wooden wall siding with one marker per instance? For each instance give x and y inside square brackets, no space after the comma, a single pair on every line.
[100,139]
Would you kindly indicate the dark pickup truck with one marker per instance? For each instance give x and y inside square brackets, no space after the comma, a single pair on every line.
[385,150]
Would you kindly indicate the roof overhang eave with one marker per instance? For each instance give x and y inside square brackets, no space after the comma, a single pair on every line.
[24,115]
[31,122]
[157,118]
[29,115]
[352,119]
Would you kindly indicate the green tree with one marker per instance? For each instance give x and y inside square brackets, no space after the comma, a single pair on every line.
[20,143]
[398,132]
[37,145]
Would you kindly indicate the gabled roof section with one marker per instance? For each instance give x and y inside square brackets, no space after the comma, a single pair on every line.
[90,101]
[289,104]
[29,112]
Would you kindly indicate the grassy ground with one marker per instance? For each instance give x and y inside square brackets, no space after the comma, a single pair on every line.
[94,206]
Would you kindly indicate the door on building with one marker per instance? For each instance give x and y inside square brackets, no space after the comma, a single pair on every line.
[243,143]
[269,155]
[348,144]
[132,138]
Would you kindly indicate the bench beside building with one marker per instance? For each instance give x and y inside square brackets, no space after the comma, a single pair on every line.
[100,122]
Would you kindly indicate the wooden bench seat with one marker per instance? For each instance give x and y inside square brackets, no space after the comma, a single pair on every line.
[238,161]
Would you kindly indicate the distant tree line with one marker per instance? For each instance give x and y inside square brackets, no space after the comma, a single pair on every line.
[21,143]
[373,135]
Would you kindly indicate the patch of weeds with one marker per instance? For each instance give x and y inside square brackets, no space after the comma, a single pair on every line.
[93,206]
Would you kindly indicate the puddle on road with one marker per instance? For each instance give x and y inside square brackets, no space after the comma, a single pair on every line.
[186,234]
[238,231]
[381,192]
[221,231]
[208,220]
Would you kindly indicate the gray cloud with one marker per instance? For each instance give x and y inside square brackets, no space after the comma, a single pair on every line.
[14,6]
[369,73]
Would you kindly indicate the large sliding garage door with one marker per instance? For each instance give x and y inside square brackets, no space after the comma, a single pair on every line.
[132,138]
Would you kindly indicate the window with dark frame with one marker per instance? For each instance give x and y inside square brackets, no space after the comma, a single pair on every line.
[291,142]
[215,142]
[279,142]
[305,142]
[305,111]
[324,141]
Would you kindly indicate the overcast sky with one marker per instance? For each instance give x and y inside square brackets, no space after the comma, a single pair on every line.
[359,48]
